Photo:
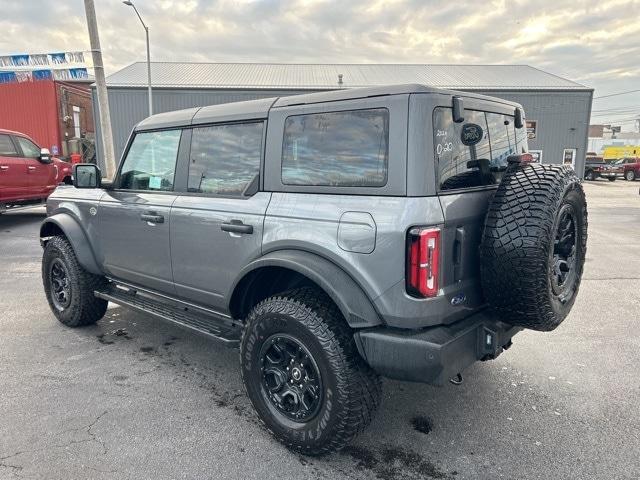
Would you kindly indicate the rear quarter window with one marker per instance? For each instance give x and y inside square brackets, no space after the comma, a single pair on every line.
[337,149]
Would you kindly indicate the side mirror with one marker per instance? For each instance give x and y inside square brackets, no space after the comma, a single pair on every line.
[458,110]
[86,175]
[45,156]
[519,118]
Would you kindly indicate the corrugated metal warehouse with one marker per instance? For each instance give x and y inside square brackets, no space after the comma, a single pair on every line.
[557,109]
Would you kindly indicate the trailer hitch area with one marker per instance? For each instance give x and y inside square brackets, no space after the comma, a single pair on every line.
[457,379]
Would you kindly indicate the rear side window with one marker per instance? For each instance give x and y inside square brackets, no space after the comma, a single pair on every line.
[224,158]
[151,161]
[6,146]
[338,149]
[459,165]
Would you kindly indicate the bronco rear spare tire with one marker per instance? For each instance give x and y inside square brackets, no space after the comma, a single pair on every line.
[534,244]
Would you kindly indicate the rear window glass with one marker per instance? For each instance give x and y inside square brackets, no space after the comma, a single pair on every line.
[459,165]
[502,140]
[339,149]
[476,163]
[521,140]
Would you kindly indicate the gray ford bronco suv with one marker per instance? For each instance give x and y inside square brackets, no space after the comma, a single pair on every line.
[335,237]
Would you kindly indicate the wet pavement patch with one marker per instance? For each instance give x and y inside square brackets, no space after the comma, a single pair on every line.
[392,463]
[107,338]
[422,424]
[103,340]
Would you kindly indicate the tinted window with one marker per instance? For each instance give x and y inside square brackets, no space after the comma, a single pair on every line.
[502,139]
[521,140]
[459,165]
[6,146]
[225,158]
[151,161]
[343,149]
[29,149]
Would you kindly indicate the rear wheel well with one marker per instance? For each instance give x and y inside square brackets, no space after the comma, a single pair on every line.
[263,283]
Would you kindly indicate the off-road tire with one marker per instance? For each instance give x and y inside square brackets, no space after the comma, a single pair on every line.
[589,176]
[519,243]
[351,391]
[630,175]
[84,308]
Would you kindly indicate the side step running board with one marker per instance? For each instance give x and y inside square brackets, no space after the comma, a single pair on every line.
[216,327]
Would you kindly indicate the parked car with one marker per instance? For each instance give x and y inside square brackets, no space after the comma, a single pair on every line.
[334,237]
[596,167]
[629,167]
[28,173]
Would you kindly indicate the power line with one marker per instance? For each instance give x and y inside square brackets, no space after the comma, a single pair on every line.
[616,94]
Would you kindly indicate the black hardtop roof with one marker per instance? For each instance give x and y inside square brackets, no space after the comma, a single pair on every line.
[259,109]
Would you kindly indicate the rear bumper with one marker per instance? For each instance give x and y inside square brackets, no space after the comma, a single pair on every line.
[434,355]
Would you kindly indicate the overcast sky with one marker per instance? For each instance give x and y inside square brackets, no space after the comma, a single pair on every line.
[593,42]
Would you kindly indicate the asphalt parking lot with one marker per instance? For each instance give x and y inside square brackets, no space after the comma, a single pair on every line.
[134,398]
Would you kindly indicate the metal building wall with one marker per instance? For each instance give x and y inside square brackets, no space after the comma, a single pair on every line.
[563,121]
[562,116]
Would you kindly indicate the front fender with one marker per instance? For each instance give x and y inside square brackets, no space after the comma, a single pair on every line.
[354,304]
[71,229]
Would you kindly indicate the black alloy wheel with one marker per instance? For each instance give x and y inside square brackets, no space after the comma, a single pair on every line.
[60,284]
[564,253]
[291,380]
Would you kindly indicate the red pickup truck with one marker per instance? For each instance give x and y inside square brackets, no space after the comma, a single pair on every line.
[28,173]
[630,167]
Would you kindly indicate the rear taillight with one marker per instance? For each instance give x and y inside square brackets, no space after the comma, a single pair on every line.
[423,252]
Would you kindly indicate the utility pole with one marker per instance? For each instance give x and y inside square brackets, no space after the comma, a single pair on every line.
[101,90]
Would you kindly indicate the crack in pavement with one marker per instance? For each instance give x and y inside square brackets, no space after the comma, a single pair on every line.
[87,428]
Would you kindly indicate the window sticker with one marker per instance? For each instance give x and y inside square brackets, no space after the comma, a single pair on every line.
[155,182]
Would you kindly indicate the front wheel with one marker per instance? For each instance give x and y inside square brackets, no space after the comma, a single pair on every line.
[630,175]
[69,287]
[589,176]
[303,373]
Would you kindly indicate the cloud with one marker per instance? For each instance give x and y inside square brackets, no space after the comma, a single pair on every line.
[592,42]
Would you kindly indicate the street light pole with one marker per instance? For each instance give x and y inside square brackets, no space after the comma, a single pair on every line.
[104,117]
[146,31]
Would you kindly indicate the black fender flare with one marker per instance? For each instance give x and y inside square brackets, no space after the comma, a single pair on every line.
[76,236]
[350,298]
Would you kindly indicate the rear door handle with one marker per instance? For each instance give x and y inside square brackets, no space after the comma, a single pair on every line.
[236,226]
[31,167]
[152,217]
[4,167]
